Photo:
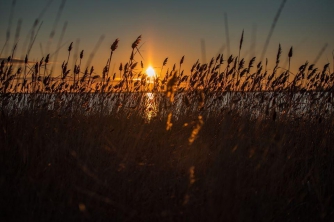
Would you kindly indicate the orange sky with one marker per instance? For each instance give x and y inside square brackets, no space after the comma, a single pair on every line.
[172,29]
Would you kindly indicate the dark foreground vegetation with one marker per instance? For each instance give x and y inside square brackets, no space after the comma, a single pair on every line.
[194,151]
[118,167]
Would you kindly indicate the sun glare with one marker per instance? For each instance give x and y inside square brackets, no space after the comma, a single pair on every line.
[150,72]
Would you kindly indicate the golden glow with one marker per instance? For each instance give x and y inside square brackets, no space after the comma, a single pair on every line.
[150,72]
[151,106]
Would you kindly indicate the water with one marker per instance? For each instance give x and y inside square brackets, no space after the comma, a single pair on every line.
[151,105]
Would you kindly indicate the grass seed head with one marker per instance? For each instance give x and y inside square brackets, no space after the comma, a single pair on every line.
[290,52]
[81,54]
[114,45]
[136,42]
[70,47]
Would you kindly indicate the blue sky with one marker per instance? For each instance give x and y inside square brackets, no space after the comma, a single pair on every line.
[175,28]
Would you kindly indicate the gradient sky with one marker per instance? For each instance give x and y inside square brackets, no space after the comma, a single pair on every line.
[175,28]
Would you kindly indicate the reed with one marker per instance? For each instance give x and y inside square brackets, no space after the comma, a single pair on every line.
[226,140]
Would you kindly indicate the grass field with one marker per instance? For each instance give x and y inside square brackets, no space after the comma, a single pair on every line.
[229,141]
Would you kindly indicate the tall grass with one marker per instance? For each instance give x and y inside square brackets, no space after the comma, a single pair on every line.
[229,140]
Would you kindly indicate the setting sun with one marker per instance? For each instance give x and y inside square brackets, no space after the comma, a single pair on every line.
[150,72]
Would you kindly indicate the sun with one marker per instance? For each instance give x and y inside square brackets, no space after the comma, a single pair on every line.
[150,72]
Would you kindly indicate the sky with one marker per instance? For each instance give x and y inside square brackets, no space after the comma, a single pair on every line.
[170,29]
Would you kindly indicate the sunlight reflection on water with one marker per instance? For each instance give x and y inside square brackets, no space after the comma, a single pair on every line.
[151,106]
